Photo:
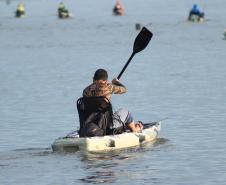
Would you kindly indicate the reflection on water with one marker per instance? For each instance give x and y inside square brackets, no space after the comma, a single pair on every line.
[93,168]
[103,167]
[100,177]
[123,154]
[160,142]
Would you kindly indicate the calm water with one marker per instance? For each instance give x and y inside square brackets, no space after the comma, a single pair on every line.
[45,63]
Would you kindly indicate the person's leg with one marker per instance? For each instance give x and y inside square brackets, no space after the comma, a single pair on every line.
[123,118]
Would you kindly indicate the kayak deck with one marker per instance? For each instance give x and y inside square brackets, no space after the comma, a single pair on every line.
[108,142]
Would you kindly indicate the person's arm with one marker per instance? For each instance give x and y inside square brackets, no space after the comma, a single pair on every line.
[117,87]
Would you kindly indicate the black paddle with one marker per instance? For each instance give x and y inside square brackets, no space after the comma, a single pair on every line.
[140,43]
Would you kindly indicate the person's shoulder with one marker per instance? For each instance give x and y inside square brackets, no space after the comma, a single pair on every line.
[89,86]
[86,90]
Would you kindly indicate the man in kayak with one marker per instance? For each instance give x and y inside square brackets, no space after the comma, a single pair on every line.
[195,11]
[101,87]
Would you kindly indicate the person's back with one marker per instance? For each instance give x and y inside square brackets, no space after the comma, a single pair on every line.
[195,10]
[62,8]
[104,88]
[122,118]
[21,8]
[95,116]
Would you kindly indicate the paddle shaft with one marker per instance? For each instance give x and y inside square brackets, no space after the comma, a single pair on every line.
[127,63]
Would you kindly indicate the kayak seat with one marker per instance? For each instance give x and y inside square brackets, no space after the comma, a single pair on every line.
[89,105]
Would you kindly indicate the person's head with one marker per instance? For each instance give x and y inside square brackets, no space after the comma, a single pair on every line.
[100,74]
[195,6]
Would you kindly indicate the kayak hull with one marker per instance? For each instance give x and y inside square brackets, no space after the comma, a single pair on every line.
[64,15]
[109,142]
[196,18]
[19,14]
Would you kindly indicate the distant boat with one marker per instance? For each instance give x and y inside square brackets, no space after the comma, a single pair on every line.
[225,34]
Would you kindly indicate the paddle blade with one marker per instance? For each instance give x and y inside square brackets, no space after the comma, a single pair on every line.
[142,40]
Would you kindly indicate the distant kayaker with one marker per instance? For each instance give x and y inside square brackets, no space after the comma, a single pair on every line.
[195,11]
[101,87]
[62,11]
[20,10]
[118,8]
